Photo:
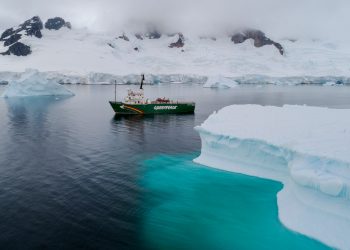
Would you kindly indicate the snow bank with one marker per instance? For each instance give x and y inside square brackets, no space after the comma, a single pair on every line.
[220,82]
[306,148]
[32,83]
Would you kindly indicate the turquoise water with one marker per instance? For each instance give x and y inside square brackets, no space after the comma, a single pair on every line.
[70,174]
[189,206]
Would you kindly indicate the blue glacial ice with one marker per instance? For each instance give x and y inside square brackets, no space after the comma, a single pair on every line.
[220,82]
[32,83]
[305,148]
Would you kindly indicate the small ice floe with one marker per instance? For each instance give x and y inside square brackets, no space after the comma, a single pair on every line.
[332,83]
[33,83]
[305,148]
[220,82]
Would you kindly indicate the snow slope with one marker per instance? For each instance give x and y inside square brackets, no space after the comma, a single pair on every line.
[81,53]
[306,148]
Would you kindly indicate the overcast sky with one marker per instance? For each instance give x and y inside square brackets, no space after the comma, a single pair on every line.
[281,17]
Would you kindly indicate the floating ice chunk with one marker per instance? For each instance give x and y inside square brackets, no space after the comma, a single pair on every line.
[220,82]
[310,130]
[329,83]
[32,83]
[306,148]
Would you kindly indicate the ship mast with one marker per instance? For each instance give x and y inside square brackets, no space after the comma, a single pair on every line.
[142,79]
[115,90]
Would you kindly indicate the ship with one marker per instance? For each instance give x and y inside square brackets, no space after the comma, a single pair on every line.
[136,104]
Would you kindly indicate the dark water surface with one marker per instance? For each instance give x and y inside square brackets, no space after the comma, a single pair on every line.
[73,176]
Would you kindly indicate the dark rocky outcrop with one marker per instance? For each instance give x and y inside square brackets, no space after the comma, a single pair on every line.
[259,38]
[154,34]
[68,25]
[18,49]
[124,37]
[179,43]
[12,39]
[238,38]
[279,47]
[31,27]
[139,36]
[12,36]
[55,23]
[7,33]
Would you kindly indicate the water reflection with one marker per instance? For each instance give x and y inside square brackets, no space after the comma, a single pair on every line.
[156,133]
[69,170]
[30,110]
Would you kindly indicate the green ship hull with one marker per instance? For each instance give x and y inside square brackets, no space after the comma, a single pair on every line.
[153,108]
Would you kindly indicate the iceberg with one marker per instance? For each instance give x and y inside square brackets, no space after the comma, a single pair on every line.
[32,83]
[305,148]
[220,82]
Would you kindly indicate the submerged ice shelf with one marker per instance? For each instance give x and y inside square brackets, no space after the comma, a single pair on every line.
[306,148]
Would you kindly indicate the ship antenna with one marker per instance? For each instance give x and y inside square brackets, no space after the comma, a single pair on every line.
[142,79]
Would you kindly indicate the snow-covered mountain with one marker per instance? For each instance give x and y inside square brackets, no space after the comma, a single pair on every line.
[77,55]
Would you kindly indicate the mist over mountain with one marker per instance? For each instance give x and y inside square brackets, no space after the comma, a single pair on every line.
[270,41]
[278,18]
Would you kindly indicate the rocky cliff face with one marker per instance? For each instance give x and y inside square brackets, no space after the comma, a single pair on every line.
[259,38]
[57,23]
[18,49]
[12,37]
[179,43]
[31,27]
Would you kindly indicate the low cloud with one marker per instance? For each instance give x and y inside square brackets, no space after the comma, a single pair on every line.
[288,18]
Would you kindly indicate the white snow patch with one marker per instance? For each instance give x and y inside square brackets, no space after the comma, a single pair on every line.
[2,47]
[32,83]
[82,52]
[220,82]
[306,148]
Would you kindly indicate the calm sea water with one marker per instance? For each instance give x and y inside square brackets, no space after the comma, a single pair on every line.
[73,176]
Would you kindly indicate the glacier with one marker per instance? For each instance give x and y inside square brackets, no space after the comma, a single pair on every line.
[217,81]
[32,83]
[71,77]
[305,148]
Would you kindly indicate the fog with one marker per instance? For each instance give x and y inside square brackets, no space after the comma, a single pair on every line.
[281,18]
